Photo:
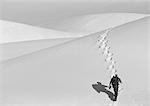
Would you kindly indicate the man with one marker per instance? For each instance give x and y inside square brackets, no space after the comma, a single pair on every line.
[115,80]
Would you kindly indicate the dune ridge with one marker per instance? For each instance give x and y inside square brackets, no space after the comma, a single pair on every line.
[17,32]
[67,71]
[71,40]
[95,22]
[15,49]
[23,35]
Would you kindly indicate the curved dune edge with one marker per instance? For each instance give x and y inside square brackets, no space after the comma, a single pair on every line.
[53,45]
[89,24]
[18,39]
[51,48]
[72,28]
[16,49]
[17,32]
[9,53]
[74,66]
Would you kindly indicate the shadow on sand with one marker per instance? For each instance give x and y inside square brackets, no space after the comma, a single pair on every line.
[102,88]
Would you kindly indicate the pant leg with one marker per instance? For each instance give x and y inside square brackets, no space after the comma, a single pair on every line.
[116,95]
[115,92]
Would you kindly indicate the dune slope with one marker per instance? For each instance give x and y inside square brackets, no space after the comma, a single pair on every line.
[63,75]
[91,23]
[20,39]
[16,32]
[16,49]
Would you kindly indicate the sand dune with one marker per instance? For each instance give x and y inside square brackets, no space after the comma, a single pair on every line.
[63,74]
[16,32]
[20,39]
[87,24]
[16,49]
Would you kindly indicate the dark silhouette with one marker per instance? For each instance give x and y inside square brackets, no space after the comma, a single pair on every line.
[115,80]
[102,88]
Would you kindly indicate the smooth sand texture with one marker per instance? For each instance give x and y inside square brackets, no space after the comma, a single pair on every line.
[64,74]
[17,32]
[21,39]
[91,23]
[16,49]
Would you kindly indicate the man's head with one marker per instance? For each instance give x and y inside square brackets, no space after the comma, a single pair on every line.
[116,75]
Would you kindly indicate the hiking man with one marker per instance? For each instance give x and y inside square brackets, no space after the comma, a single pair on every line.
[115,80]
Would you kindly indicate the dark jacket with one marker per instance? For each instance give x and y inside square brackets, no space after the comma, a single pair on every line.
[115,81]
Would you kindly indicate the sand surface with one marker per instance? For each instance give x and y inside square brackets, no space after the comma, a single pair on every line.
[62,75]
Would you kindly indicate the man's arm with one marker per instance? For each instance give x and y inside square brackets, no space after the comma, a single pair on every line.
[119,80]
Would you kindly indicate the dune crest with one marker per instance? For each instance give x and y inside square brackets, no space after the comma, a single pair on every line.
[17,32]
[88,24]
[65,72]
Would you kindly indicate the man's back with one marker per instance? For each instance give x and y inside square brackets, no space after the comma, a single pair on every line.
[115,84]
[115,80]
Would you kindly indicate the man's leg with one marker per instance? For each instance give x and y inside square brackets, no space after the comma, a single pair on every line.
[115,92]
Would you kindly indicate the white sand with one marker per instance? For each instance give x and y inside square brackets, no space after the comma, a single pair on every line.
[63,75]
[88,24]
[17,32]
[16,49]
[20,39]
